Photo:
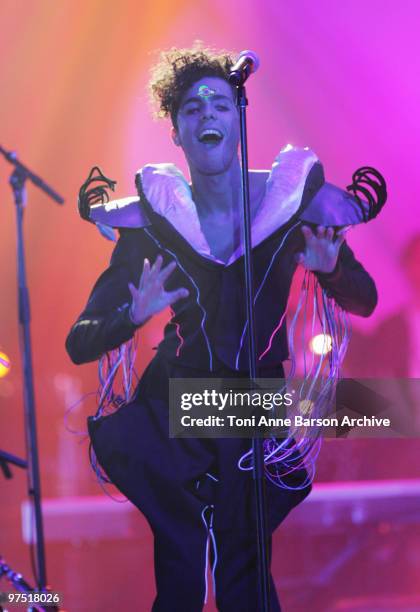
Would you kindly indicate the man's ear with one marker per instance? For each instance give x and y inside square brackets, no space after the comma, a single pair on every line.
[175,137]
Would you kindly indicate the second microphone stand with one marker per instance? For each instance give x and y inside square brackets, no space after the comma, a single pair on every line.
[18,178]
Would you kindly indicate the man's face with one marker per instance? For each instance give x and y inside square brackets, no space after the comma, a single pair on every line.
[208,126]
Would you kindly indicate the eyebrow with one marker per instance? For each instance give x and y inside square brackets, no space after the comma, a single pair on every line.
[199,99]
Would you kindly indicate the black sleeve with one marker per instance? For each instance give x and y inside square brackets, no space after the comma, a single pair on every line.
[350,285]
[105,323]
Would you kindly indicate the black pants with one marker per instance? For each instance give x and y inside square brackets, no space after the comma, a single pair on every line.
[166,479]
[180,579]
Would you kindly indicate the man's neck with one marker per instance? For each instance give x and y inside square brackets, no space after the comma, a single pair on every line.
[218,194]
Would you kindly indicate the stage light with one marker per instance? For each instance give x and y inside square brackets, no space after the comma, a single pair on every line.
[321,344]
[4,365]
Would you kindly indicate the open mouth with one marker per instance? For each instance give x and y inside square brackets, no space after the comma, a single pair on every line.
[210,136]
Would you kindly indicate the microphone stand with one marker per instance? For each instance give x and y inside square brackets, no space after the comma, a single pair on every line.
[257,442]
[17,180]
[6,458]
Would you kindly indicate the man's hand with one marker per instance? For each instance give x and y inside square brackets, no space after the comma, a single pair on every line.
[150,296]
[321,248]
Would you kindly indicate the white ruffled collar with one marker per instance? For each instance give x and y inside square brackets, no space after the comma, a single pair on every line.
[169,194]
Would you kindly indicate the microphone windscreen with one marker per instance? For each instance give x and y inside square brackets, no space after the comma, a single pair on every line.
[253,57]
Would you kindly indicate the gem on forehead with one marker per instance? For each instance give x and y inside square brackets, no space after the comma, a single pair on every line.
[204,91]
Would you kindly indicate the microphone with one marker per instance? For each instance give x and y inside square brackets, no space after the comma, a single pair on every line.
[246,64]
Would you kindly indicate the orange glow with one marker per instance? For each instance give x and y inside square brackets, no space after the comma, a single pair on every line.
[4,365]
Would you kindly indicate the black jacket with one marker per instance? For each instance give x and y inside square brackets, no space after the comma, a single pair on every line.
[207,328]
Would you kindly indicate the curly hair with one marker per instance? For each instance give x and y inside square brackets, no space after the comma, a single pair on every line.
[178,69]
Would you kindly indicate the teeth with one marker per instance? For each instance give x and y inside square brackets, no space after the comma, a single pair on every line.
[210,132]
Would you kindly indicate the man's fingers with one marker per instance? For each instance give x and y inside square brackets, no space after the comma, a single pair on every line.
[329,233]
[133,290]
[167,271]
[156,266]
[343,231]
[320,231]
[340,239]
[341,235]
[306,231]
[173,296]
[145,273]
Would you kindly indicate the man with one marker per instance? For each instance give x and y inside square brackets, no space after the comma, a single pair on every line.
[190,245]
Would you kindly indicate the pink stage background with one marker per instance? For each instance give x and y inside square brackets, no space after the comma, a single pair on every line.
[340,77]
